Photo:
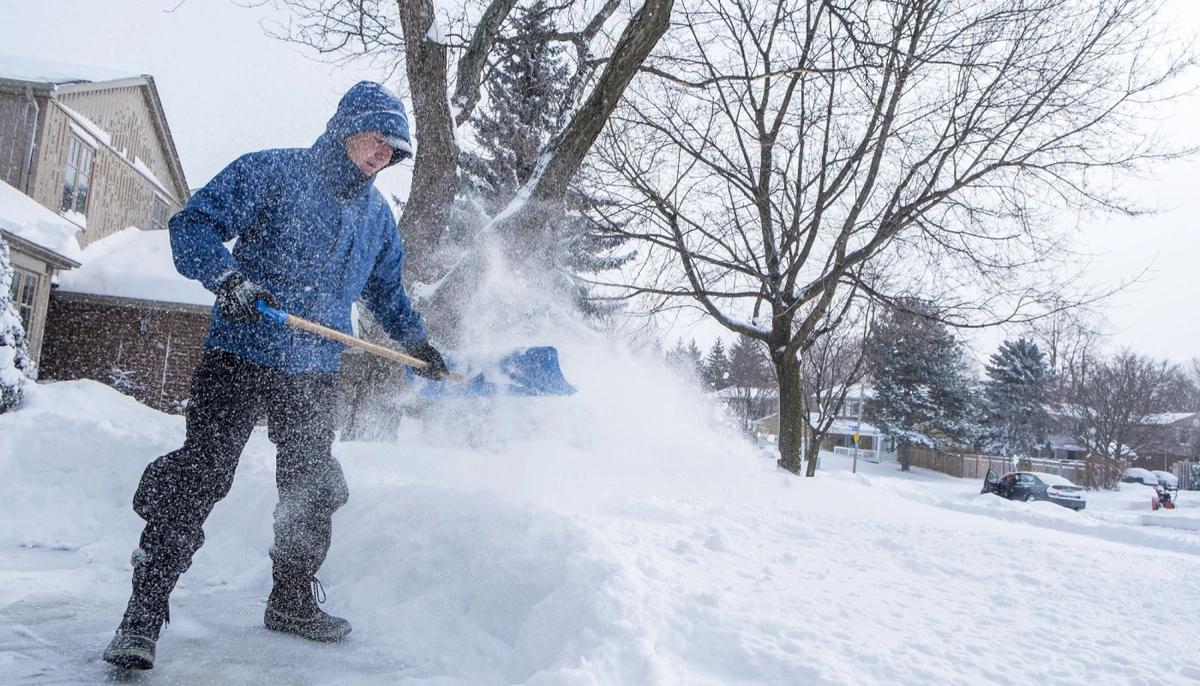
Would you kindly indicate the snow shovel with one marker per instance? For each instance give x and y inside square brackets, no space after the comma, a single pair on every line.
[524,372]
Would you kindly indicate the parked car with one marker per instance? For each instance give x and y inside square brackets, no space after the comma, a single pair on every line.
[1137,475]
[1166,479]
[1030,486]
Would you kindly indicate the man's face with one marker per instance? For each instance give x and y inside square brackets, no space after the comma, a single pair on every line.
[368,151]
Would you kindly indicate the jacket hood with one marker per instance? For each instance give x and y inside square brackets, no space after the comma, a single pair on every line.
[368,106]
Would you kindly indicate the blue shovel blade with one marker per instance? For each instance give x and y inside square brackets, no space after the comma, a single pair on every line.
[524,372]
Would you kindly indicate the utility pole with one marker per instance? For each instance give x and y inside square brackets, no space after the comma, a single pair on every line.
[857,425]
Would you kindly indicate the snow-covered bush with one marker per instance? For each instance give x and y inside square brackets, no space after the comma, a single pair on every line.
[15,365]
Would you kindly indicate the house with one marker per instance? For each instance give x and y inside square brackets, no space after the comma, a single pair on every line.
[92,150]
[89,144]
[873,444]
[1170,437]
[41,244]
[127,318]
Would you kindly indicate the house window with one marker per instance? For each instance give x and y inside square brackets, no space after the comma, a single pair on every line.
[158,214]
[77,177]
[21,291]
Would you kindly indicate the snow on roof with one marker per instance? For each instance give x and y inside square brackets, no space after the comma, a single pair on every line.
[846,427]
[134,264]
[58,73]
[25,218]
[1167,418]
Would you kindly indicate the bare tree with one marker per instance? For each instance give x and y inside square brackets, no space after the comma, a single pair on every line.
[1067,333]
[833,365]
[446,60]
[1110,404]
[793,156]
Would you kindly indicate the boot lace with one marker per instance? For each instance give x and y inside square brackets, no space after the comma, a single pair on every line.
[318,590]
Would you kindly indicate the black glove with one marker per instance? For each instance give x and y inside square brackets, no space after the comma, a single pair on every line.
[436,369]
[237,298]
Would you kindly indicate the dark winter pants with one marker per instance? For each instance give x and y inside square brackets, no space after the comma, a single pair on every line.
[178,491]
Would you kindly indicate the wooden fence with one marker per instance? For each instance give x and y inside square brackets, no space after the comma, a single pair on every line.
[1188,474]
[1094,473]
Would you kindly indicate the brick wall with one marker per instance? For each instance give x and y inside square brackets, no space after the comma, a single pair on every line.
[145,349]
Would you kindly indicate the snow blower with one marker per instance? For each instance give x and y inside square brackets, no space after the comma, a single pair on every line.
[523,372]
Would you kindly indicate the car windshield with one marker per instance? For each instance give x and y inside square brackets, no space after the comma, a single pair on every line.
[1054,480]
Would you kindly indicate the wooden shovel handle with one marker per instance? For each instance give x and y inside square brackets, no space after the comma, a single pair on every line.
[335,335]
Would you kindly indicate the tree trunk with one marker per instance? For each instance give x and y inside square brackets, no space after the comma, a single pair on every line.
[435,167]
[791,407]
[905,456]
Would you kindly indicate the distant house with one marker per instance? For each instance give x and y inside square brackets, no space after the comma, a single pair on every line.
[129,319]
[873,444]
[41,244]
[1170,437]
[90,144]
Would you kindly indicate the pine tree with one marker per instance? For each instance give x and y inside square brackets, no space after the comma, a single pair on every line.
[1016,390]
[923,390]
[748,367]
[716,367]
[696,359]
[752,380]
[15,364]
[525,101]
[525,97]
[681,360]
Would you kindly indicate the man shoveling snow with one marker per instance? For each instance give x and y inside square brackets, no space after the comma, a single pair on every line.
[313,235]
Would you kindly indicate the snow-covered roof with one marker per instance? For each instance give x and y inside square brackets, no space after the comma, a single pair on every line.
[1167,418]
[846,427]
[25,218]
[1065,442]
[58,73]
[134,264]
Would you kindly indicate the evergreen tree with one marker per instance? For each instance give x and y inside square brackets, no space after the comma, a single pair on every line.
[696,359]
[748,367]
[687,359]
[753,381]
[923,391]
[525,101]
[15,364]
[525,97]
[716,367]
[1016,390]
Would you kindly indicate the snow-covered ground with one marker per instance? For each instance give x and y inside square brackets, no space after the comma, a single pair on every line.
[585,541]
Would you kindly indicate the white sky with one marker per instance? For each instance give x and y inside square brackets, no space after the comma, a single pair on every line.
[227,89]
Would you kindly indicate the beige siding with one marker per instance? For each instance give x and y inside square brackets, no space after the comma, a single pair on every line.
[41,298]
[16,116]
[120,195]
[125,114]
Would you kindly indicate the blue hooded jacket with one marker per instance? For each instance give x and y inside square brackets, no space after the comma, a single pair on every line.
[312,229]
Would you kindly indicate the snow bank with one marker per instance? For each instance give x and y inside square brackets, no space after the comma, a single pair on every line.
[134,264]
[22,216]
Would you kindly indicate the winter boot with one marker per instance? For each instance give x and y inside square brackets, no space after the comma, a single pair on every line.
[133,646]
[292,608]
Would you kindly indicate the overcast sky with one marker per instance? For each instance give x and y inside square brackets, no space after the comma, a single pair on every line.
[228,88]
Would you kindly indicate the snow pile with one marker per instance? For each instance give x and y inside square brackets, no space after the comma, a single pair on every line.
[134,264]
[23,217]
